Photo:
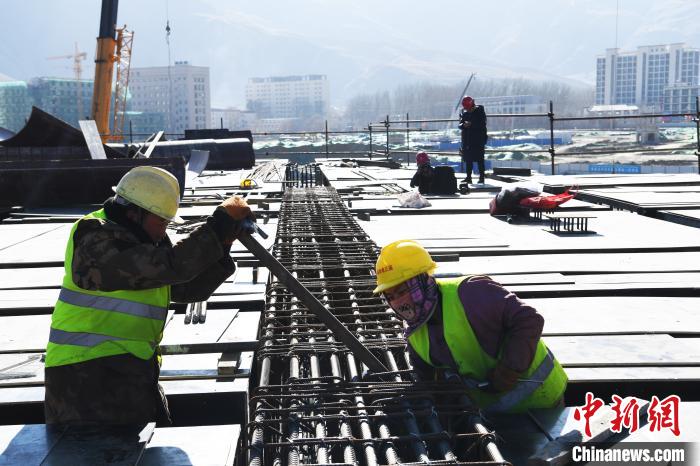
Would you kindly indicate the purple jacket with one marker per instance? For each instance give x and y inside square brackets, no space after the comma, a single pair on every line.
[498,318]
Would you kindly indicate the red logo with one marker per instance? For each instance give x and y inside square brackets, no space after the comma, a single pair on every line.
[662,414]
[626,415]
[384,269]
[592,405]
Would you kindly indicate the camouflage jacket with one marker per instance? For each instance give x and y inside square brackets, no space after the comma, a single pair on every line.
[114,255]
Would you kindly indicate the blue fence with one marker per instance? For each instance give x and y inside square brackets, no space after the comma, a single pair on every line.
[615,168]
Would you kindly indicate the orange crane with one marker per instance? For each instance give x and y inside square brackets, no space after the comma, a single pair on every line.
[113,46]
[77,57]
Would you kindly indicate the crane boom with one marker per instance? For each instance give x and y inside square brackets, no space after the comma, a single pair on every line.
[104,66]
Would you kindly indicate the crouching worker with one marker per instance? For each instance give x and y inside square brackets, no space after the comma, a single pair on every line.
[472,326]
[423,178]
[121,272]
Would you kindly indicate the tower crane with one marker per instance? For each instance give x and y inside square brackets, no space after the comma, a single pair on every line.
[77,57]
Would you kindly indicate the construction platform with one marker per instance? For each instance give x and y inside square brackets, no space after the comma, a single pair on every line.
[257,380]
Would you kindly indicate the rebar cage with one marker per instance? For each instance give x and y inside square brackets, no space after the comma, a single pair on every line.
[315,403]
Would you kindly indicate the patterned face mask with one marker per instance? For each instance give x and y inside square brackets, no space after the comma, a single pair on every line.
[414,300]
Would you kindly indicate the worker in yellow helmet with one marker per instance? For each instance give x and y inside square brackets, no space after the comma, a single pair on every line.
[473,327]
[121,272]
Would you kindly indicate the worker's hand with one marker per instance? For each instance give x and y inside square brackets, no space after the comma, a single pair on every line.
[228,219]
[503,378]
[237,208]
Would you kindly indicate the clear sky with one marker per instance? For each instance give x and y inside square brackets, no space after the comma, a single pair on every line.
[362,45]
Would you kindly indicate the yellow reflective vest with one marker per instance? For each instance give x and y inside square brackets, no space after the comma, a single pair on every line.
[88,324]
[542,385]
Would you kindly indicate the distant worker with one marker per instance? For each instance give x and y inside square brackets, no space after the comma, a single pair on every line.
[423,178]
[472,326]
[121,272]
[472,122]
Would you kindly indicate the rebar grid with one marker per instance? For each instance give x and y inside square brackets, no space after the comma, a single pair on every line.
[314,403]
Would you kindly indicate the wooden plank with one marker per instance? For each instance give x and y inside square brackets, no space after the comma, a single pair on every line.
[28,368]
[41,444]
[218,321]
[27,444]
[524,279]
[181,446]
[625,350]
[115,446]
[616,314]
[19,333]
[244,327]
[573,263]
[35,277]
[616,374]
[12,235]
[616,232]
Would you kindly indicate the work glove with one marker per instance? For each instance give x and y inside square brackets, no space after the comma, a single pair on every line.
[227,219]
[237,208]
[502,378]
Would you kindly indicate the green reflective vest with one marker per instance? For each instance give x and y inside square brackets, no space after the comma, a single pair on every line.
[541,386]
[88,324]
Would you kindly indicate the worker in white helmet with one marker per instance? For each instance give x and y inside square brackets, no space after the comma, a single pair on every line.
[121,273]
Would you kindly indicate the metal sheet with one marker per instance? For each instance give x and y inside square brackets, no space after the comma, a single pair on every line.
[92,139]
[71,181]
[45,130]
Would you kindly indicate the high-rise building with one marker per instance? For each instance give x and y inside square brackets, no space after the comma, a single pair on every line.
[289,96]
[15,104]
[180,92]
[681,98]
[67,99]
[641,77]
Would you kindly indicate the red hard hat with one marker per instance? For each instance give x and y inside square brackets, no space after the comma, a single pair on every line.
[422,158]
[467,101]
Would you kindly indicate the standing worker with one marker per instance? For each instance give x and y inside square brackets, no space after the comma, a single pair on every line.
[121,272]
[472,122]
[473,326]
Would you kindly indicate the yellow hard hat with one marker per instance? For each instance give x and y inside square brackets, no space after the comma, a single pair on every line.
[248,183]
[400,261]
[153,189]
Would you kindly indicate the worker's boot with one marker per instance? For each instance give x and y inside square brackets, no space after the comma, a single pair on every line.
[468,180]
[481,179]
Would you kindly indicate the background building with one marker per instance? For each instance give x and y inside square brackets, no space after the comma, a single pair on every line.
[180,92]
[681,98]
[140,125]
[232,118]
[300,97]
[15,104]
[641,77]
[513,104]
[67,99]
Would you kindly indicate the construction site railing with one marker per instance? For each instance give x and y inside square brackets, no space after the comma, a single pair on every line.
[407,126]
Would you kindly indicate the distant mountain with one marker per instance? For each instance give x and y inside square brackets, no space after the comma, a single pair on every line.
[362,45]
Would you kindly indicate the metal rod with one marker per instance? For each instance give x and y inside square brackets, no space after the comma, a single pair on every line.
[386,125]
[697,129]
[551,133]
[311,303]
